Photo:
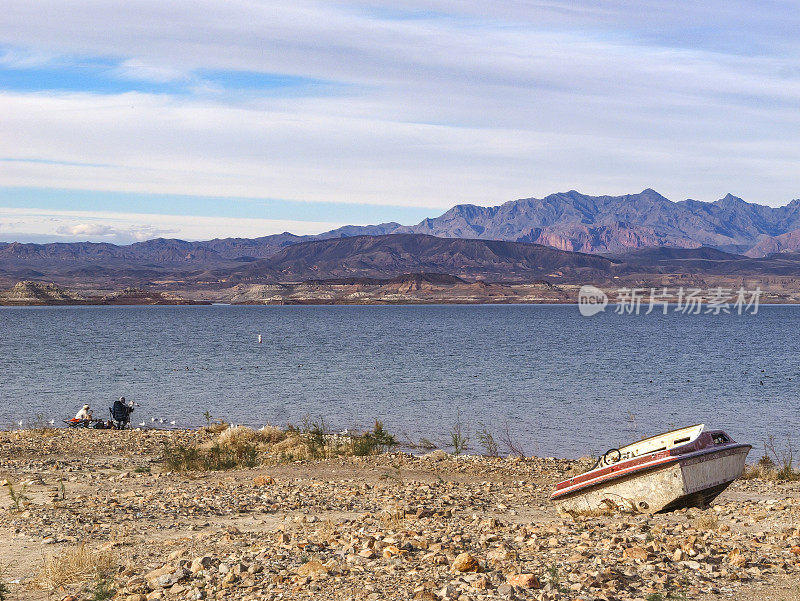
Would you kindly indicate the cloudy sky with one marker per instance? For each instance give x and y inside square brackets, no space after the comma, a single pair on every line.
[125,120]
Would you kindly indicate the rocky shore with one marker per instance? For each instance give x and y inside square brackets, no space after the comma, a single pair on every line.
[91,514]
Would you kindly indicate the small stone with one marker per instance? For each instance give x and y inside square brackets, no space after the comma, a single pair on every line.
[201,563]
[466,563]
[525,581]
[634,554]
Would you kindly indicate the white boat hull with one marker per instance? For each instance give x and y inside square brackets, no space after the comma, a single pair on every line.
[690,481]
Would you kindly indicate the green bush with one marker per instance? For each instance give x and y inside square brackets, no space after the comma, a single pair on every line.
[374,442]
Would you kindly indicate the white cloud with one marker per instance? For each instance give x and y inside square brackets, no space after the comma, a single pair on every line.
[24,225]
[607,97]
[142,71]
[86,229]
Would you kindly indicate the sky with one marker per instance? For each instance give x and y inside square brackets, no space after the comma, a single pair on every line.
[127,120]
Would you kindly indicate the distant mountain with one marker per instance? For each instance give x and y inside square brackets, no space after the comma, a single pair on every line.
[788,242]
[568,221]
[396,254]
[607,224]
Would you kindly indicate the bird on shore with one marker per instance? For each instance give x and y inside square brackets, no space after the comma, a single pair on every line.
[20,424]
[141,425]
[51,422]
[172,423]
[160,420]
[152,419]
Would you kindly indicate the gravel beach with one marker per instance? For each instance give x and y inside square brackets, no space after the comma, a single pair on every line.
[390,526]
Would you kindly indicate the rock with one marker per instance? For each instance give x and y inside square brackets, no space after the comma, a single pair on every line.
[634,554]
[157,573]
[168,579]
[525,581]
[505,590]
[437,455]
[501,554]
[737,559]
[466,563]
[137,585]
[136,597]
[201,563]
[312,569]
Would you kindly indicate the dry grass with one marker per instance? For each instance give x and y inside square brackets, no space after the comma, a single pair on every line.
[241,446]
[76,565]
[770,472]
[394,517]
[292,448]
[217,427]
[707,521]
[271,435]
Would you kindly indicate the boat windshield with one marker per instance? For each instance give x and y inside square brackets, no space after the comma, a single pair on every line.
[654,444]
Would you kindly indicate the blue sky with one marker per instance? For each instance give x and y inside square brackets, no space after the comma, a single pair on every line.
[121,121]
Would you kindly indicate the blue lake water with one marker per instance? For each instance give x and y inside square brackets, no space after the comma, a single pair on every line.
[566,385]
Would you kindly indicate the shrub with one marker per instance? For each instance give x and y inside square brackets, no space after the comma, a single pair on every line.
[19,498]
[76,564]
[374,442]
[179,457]
[459,436]
[292,448]
[774,464]
[103,590]
[487,441]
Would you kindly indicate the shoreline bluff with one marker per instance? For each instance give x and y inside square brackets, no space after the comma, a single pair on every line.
[388,526]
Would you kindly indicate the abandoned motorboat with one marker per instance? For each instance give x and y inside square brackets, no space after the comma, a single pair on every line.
[688,467]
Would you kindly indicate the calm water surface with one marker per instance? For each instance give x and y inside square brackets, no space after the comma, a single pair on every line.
[566,385]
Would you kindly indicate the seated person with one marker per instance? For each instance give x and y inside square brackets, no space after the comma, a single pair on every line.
[84,414]
[120,412]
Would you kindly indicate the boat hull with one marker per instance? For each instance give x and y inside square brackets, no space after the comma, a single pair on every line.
[689,481]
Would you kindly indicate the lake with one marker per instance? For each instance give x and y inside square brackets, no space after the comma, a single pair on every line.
[560,384]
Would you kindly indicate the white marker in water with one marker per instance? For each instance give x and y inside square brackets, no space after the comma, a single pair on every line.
[259,339]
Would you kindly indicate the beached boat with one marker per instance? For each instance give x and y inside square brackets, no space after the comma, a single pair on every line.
[688,467]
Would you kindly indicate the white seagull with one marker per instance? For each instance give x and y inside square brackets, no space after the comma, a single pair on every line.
[172,423]
[142,424]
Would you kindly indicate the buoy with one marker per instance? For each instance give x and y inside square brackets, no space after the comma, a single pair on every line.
[259,339]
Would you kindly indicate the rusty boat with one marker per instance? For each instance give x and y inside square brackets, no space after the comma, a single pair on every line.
[687,467]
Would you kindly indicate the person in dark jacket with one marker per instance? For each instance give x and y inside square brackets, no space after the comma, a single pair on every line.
[121,413]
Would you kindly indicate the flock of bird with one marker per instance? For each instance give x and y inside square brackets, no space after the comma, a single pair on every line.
[153,422]
[159,420]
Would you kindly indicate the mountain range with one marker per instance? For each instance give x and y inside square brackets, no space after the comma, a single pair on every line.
[519,239]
